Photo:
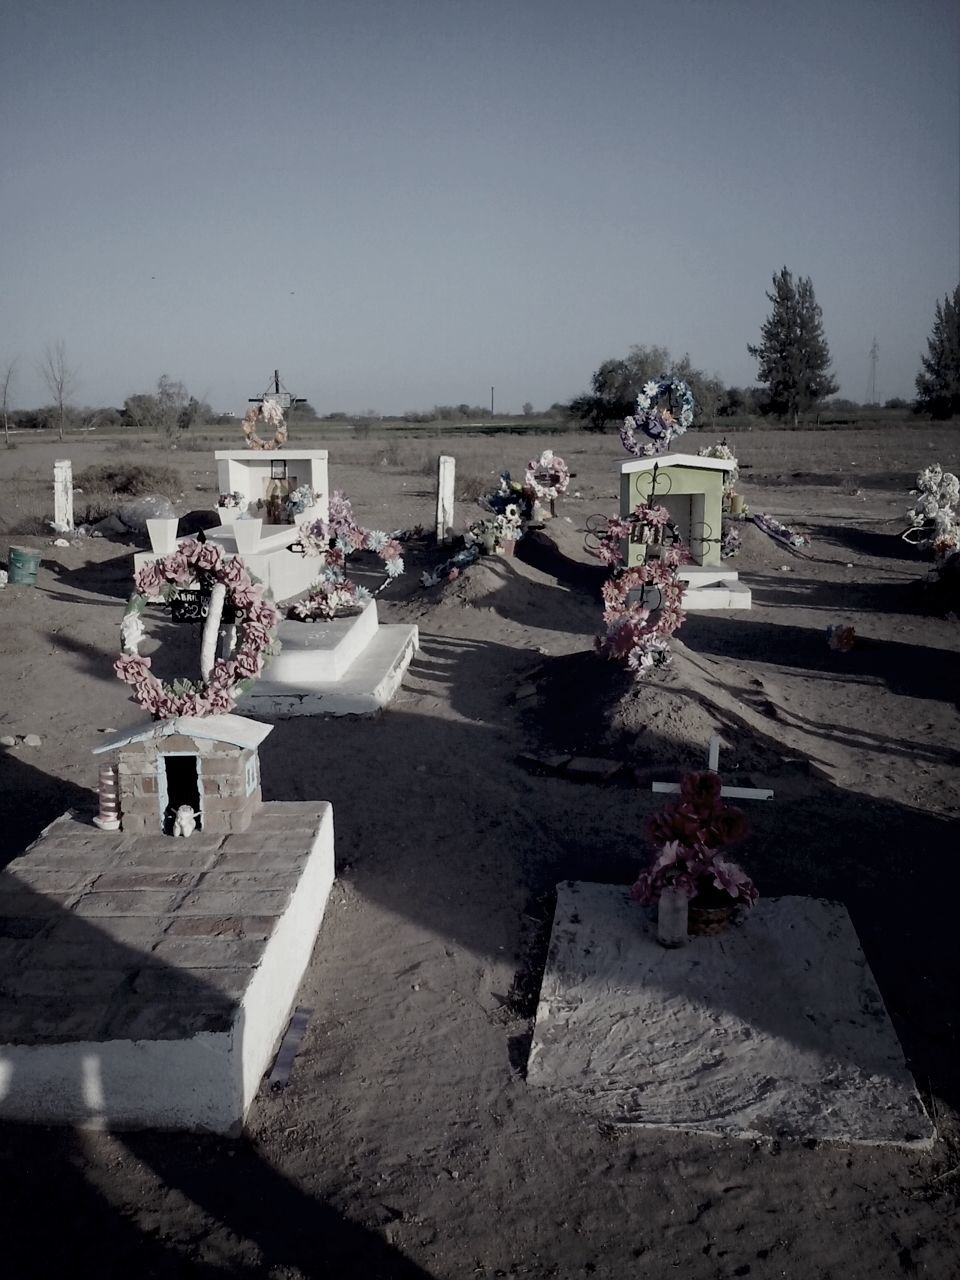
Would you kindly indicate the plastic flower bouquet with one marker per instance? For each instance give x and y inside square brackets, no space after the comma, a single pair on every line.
[690,835]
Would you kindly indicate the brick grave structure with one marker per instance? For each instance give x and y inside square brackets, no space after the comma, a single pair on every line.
[208,763]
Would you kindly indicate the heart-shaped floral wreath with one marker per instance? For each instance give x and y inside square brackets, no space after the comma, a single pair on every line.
[257,619]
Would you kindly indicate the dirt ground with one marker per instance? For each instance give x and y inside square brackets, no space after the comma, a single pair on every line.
[407,1143]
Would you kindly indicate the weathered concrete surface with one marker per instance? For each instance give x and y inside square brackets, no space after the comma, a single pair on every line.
[775,1028]
[366,687]
[145,981]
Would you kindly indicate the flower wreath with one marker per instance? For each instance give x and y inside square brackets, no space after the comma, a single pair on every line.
[272,415]
[660,425]
[257,621]
[331,541]
[635,634]
[547,477]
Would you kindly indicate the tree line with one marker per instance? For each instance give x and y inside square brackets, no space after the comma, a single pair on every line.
[793,373]
[793,368]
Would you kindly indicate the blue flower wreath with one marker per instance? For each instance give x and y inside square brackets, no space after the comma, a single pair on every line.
[657,424]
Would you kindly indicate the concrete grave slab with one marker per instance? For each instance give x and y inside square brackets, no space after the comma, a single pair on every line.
[773,1029]
[124,1004]
[365,687]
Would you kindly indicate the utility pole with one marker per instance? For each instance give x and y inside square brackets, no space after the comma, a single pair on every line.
[874,357]
[491,402]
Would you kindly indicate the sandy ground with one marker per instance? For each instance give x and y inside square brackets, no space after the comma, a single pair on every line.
[407,1143]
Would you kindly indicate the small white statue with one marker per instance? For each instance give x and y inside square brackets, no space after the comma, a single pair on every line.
[185,821]
[131,633]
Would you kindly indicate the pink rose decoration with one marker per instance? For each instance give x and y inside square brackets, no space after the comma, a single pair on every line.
[207,557]
[149,580]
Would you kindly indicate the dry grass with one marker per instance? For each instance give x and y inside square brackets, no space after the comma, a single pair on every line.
[130,479]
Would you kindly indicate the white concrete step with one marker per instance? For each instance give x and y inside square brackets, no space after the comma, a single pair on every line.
[729,595]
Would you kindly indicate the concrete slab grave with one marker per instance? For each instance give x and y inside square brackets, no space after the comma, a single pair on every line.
[342,666]
[774,1029]
[147,981]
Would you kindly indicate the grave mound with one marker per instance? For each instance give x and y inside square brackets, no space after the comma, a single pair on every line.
[758,551]
[658,723]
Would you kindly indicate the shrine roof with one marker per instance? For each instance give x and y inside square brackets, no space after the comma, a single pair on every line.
[677,460]
[238,731]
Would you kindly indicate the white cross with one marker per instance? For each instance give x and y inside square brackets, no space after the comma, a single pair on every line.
[713,761]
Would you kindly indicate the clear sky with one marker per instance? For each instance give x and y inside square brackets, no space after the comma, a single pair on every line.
[403,202]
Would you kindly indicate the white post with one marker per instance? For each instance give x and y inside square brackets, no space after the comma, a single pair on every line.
[211,629]
[445,488]
[63,495]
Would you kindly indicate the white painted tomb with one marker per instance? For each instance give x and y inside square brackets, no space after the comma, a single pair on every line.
[263,478]
[772,1029]
[691,489]
[340,666]
[150,979]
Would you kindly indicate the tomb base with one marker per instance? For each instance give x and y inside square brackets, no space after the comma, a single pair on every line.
[148,980]
[713,588]
[772,1029]
[343,667]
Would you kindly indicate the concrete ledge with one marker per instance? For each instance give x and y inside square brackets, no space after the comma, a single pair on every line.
[325,650]
[729,595]
[367,687]
[772,1029]
[147,980]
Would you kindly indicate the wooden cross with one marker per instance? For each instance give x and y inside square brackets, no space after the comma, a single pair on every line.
[713,762]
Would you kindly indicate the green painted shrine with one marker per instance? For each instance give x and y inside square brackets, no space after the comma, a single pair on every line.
[691,489]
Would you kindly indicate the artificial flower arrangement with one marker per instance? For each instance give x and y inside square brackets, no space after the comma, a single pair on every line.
[299,501]
[331,541]
[665,408]
[779,532]
[230,500]
[492,533]
[546,477]
[638,632]
[934,523]
[511,498]
[726,454]
[257,619]
[451,569]
[690,835]
[730,540]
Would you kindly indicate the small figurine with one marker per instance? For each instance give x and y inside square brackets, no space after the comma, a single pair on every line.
[185,821]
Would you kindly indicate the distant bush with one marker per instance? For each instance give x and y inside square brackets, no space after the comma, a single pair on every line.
[130,479]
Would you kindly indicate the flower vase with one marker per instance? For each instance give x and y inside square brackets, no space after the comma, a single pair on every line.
[489,544]
[163,535]
[537,513]
[506,547]
[672,911]
[228,514]
[247,536]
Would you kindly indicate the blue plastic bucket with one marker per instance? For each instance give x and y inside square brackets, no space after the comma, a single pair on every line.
[22,566]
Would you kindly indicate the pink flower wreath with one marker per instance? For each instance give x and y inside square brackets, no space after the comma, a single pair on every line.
[257,621]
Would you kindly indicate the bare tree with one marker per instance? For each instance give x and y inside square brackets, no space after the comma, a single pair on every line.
[6,382]
[61,380]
